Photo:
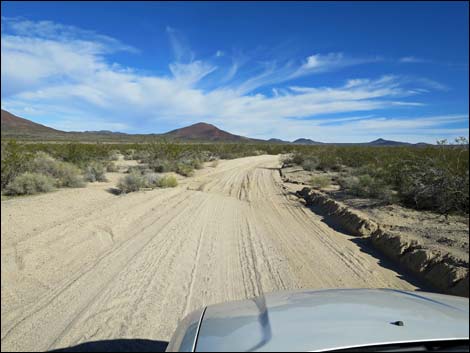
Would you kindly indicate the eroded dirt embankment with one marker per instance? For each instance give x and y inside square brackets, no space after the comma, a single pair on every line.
[442,270]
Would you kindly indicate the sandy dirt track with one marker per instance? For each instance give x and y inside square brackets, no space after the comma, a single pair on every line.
[83,265]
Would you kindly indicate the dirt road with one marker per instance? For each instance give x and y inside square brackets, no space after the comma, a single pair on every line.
[84,265]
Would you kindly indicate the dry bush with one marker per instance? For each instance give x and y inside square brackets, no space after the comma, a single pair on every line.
[29,184]
[129,154]
[134,181]
[320,181]
[310,164]
[185,170]
[112,167]
[95,171]
[114,155]
[152,180]
[168,181]
[15,161]
[65,174]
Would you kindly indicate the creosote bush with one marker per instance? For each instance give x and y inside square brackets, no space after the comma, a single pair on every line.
[65,174]
[112,167]
[95,171]
[15,161]
[114,155]
[133,181]
[185,170]
[429,178]
[320,181]
[30,184]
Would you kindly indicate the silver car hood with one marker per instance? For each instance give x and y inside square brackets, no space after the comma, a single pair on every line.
[331,319]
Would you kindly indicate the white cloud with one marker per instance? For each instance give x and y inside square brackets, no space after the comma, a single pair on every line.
[191,73]
[178,44]
[318,63]
[63,72]
[412,59]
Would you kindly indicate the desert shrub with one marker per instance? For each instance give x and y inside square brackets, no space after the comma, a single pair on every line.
[366,186]
[184,169]
[132,182]
[68,175]
[141,155]
[95,172]
[112,167]
[140,169]
[65,174]
[44,163]
[214,163]
[162,165]
[329,162]
[258,152]
[129,154]
[196,163]
[152,180]
[434,188]
[310,164]
[297,158]
[114,155]
[168,181]
[320,181]
[29,184]
[15,161]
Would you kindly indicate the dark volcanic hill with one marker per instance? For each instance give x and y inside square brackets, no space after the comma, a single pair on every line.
[303,141]
[382,142]
[203,131]
[14,125]
[275,140]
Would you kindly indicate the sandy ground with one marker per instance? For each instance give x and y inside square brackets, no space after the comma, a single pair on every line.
[83,265]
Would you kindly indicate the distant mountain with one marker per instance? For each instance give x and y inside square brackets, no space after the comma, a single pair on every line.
[14,125]
[304,141]
[103,132]
[382,142]
[20,128]
[274,140]
[203,132]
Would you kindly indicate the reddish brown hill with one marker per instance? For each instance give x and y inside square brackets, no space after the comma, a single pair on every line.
[14,125]
[203,131]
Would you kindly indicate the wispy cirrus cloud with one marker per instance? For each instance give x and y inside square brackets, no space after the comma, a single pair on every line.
[318,63]
[412,59]
[64,73]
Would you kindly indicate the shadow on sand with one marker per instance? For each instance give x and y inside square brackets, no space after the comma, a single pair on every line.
[365,246]
[114,191]
[118,345]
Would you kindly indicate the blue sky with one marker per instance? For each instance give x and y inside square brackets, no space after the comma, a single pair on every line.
[330,71]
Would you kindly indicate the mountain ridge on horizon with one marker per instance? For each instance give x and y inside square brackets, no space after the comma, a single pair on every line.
[14,126]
